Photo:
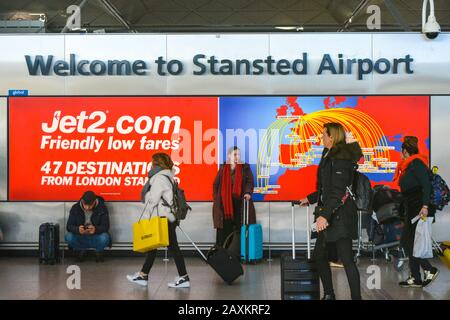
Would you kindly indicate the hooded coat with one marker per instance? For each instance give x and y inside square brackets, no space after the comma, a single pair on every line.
[335,174]
[161,188]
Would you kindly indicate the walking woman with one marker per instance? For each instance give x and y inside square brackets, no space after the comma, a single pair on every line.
[413,179]
[158,188]
[335,216]
[233,183]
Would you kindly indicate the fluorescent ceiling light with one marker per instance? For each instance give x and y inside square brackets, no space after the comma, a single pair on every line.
[289,28]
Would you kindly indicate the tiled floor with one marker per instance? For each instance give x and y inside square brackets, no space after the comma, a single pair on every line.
[24,278]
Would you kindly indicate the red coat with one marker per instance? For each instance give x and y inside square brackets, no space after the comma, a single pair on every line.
[247,187]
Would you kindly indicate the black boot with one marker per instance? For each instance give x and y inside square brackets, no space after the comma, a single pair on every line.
[329,297]
[80,255]
[99,257]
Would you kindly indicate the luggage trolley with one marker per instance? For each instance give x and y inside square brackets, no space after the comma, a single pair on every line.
[361,245]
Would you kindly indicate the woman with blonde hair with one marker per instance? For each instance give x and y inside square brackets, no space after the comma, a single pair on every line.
[336,214]
[233,184]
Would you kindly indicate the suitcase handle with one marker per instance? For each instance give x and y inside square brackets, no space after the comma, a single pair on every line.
[293,228]
[199,251]
[246,209]
[308,230]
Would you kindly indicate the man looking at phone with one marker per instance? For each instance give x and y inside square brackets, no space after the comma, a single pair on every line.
[88,226]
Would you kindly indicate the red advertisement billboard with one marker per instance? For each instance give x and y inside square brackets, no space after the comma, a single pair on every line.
[60,147]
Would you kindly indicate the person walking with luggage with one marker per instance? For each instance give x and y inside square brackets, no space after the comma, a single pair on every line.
[336,214]
[233,183]
[415,186]
[156,193]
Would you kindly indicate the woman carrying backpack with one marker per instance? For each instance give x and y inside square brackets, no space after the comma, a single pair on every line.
[157,191]
[415,185]
[335,215]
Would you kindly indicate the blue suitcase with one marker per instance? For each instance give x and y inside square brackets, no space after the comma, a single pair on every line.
[251,239]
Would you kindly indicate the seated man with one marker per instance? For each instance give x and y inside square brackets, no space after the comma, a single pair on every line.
[88,226]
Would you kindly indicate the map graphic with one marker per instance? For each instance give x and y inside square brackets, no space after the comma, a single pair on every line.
[285,158]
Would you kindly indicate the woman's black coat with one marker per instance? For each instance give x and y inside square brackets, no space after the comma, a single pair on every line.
[334,175]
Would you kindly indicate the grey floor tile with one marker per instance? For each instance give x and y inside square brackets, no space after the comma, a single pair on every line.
[261,281]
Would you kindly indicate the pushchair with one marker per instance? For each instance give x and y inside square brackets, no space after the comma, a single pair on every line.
[385,237]
[385,226]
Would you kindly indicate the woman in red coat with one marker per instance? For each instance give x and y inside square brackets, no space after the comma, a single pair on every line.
[233,183]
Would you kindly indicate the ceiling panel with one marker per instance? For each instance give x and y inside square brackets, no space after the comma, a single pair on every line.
[226,15]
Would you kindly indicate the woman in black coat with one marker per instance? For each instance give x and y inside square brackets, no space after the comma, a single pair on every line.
[336,214]
[415,185]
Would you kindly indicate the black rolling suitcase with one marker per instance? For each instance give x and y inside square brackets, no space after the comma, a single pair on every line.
[299,277]
[227,266]
[49,243]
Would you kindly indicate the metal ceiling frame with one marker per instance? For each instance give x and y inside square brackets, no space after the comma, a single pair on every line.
[236,16]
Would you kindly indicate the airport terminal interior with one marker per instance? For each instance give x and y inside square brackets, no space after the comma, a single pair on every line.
[262,128]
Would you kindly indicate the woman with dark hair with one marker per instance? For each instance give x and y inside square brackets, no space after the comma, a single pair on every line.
[413,179]
[157,193]
[233,183]
[335,215]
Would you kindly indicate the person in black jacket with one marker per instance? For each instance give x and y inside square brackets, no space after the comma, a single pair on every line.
[336,214]
[415,185]
[88,226]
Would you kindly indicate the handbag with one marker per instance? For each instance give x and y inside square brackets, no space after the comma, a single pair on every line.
[150,234]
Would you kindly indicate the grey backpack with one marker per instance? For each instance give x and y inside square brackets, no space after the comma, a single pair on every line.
[179,206]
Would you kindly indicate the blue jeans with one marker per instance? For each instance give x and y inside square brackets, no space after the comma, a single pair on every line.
[83,242]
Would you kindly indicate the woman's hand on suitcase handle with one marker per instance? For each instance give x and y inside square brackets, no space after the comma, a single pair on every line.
[304,202]
[247,196]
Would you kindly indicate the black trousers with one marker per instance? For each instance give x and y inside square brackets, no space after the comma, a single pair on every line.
[332,252]
[408,236]
[345,254]
[412,206]
[173,248]
[230,225]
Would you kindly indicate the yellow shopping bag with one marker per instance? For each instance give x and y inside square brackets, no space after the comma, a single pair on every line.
[149,234]
[445,258]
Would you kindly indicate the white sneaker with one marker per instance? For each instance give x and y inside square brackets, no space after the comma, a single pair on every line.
[430,276]
[180,282]
[138,279]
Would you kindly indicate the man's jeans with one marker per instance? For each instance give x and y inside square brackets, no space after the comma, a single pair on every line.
[83,242]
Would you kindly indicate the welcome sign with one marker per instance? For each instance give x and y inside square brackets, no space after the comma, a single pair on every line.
[212,65]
